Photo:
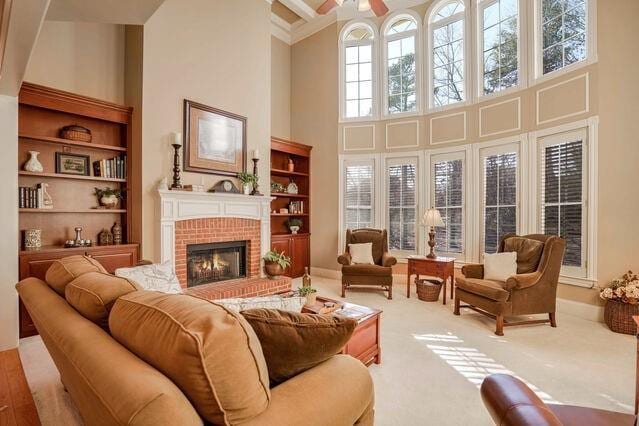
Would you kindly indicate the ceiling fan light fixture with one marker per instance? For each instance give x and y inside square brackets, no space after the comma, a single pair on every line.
[339,2]
[363,5]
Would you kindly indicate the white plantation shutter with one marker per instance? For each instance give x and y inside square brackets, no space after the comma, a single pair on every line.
[500,198]
[402,204]
[562,195]
[448,185]
[358,195]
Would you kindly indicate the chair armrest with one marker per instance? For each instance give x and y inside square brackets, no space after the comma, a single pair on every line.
[510,402]
[344,259]
[521,281]
[473,271]
[388,260]
[290,404]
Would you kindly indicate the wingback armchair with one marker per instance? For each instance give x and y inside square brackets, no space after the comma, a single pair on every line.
[533,290]
[379,274]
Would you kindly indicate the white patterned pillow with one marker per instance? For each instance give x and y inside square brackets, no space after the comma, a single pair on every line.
[157,277]
[293,304]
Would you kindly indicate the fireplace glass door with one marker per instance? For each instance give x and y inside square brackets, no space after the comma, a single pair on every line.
[215,262]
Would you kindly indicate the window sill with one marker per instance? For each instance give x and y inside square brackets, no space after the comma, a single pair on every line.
[577,281]
[371,118]
[434,110]
[562,71]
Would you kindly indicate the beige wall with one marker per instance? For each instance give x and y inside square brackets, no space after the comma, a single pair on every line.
[280,88]
[213,52]
[79,57]
[612,95]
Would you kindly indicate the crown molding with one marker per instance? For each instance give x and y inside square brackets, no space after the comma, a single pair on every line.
[300,8]
[281,29]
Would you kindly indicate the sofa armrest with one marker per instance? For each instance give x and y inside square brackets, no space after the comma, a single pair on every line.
[388,260]
[521,281]
[473,271]
[290,403]
[344,259]
[510,402]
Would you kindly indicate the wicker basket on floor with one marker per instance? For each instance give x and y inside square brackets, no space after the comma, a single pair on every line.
[618,317]
[428,289]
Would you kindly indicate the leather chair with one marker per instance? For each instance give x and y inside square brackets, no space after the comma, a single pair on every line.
[511,403]
[379,274]
[533,290]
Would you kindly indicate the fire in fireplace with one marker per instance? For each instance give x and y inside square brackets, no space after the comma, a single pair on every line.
[214,262]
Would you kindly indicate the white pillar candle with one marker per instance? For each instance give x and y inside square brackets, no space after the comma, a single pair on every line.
[176,138]
[256,153]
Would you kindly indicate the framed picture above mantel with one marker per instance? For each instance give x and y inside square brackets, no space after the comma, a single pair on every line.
[215,140]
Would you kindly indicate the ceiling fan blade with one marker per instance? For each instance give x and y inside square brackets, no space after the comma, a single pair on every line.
[378,7]
[326,7]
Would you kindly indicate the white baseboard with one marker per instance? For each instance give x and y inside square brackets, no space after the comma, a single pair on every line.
[326,273]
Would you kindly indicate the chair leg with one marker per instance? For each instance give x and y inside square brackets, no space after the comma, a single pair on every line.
[343,290]
[456,310]
[390,292]
[553,319]
[500,325]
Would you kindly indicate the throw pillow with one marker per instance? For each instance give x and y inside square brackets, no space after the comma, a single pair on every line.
[208,351]
[361,254]
[293,304]
[294,342]
[156,277]
[63,271]
[500,266]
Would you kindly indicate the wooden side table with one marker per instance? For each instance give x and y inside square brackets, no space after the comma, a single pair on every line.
[440,267]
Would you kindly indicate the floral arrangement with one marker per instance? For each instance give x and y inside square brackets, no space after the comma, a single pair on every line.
[624,289]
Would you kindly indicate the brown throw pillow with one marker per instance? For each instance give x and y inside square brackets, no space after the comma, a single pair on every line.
[293,342]
[63,271]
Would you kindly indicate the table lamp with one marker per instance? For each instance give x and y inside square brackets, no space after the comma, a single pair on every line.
[432,218]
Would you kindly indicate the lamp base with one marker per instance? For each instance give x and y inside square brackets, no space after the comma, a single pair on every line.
[431,244]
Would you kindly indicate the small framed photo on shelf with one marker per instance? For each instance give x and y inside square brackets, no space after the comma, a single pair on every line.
[72,164]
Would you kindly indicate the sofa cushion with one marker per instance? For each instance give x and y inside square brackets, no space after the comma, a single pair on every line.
[94,293]
[293,342]
[374,270]
[63,271]
[210,352]
[490,289]
[529,253]
[237,304]
[157,277]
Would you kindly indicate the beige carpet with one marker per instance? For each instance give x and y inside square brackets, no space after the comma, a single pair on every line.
[432,363]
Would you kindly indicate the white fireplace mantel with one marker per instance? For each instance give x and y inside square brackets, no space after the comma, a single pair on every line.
[184,205]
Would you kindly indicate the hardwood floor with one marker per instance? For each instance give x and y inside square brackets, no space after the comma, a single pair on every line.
[16,402]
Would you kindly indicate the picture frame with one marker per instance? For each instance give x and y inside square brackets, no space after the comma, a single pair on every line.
[72,164]
[214,140]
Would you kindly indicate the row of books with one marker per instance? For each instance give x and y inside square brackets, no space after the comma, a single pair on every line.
[31,197]
[114,168]
[296,207]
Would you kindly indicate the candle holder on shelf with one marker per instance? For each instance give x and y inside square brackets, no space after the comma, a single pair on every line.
[255,185]
[176,166]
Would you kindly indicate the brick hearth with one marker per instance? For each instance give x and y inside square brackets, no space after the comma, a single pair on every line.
[247,287]
[215,230]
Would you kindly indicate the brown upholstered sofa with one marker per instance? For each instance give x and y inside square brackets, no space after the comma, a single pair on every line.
[533,290]
[379,274]
[511,403]
[111,385]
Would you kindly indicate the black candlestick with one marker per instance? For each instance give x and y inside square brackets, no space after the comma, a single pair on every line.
[255,185]
[176,167]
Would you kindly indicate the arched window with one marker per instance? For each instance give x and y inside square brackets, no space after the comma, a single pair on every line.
[357,71]
[499,35]
[447,45]
[401,63]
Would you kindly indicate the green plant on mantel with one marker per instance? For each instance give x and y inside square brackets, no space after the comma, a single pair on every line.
[279,258]
[247,178]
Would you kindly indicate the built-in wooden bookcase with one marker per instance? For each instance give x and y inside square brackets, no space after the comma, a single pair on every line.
[43,112]
[297,246]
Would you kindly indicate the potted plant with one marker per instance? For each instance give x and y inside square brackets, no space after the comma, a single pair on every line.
[622,303]
[294,224]
[310,293]
[248,181]
[275,263]
[109,197]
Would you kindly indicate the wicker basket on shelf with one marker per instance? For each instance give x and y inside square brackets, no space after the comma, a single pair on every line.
[618,316]
[428,289]
[76,133]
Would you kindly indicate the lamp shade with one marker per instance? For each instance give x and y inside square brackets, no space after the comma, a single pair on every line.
[432,217]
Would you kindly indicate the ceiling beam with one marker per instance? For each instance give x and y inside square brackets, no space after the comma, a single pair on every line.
[300,8]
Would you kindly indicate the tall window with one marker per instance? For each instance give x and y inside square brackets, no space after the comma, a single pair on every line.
[400,40]
[563,33]
[499,197]
[359,194]
[447,50]
[401,196]
[563,192]
[448,188]
[358,72]
[500,44]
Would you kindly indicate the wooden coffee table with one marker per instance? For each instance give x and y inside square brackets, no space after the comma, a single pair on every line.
[364,344]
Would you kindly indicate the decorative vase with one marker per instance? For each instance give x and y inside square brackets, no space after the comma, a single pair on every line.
[273,270]
[33,164]
[291,165]
[618,316]
[32,239]
[246,189]
[310,299]
[294,229]
[116,231]
[109,201]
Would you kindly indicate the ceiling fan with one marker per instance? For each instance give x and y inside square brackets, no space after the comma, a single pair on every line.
[378,6]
